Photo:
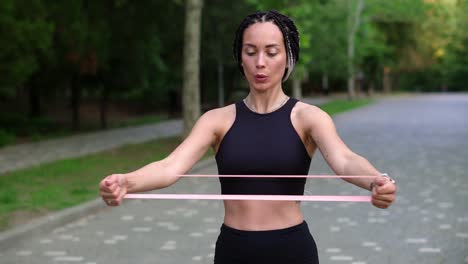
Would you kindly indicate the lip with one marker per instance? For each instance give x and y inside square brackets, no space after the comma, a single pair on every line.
[260,77]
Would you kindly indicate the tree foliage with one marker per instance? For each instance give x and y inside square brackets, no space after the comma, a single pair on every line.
[131,51]
[25,39]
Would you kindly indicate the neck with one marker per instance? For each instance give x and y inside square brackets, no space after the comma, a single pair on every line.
[267,101]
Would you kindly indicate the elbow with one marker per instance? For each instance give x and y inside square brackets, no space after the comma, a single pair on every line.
[170,172]
[347,162]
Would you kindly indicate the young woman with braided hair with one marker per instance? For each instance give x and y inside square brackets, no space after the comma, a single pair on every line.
[267,133]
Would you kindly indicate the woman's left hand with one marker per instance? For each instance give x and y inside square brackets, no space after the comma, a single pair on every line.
[383,192]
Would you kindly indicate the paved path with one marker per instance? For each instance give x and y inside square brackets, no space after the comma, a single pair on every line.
[419,140]
[30,154]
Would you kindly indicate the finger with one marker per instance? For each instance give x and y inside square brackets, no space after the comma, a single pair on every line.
[113,203]
[113,187]
[380,181]
[109,196]
[387,188]
[114,198]
[384,197]
[102,185]
[109,180]
[110,202]
[107,201]
[106,189]
[121,196]
[380,204]
[116,193]
[106,183]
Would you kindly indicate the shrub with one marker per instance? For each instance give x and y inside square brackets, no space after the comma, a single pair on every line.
[6,138]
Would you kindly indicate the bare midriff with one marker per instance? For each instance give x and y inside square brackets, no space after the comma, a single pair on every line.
[262,215]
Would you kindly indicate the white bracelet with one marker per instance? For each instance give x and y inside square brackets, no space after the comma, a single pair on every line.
[388,177]
[371,186]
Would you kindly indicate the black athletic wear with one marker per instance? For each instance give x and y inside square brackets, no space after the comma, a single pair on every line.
[292,245]
[263,144]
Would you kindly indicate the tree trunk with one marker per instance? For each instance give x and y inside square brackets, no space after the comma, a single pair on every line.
[34,96]
[325,88]
[354,20]
[387,83]
[220,82]
[296,88]
[191,87]
[371,89]
[34,101]
[75,102]
[103,106]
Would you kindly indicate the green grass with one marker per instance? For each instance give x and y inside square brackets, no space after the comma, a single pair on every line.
[61,184]
[65,183]
[338,106]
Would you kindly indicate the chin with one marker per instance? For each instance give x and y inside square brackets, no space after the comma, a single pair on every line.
[261,88]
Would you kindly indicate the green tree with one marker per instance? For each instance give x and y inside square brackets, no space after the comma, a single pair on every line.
[455,59]
[399,22]
[25,42]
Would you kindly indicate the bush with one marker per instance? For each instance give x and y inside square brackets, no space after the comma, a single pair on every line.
[429,80]
[20,125]
[6,138]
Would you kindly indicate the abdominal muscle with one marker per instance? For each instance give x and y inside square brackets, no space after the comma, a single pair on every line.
[262,215]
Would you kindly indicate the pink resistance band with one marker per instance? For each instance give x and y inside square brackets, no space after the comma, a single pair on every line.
[321,198]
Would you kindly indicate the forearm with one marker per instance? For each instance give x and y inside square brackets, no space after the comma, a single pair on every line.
[357,165]
[156,175]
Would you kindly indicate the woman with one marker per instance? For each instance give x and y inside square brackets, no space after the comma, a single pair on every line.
[267,133]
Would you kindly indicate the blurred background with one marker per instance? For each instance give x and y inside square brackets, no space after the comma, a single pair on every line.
[68,66]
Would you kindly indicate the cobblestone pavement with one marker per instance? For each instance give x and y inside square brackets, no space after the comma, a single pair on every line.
[418,140]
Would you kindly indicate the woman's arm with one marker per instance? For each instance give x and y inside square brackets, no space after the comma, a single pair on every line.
[343,161]
[163,173]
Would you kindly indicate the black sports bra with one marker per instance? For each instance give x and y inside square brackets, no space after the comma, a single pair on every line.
[262,144]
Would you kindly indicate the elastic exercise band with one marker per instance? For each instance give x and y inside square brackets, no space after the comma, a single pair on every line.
[320,198]
[272,176]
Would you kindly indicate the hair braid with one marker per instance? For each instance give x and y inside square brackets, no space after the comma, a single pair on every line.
[287,28]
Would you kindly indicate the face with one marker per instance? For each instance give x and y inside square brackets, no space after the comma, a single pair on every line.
[263,55]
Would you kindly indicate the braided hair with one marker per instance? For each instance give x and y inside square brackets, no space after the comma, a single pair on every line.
[288,29]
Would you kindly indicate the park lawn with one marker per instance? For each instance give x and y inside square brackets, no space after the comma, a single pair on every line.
[338,106]
[36,191]
[61,184]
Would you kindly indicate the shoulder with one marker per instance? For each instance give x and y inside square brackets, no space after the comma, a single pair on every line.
[311,117]
[309,112]
[217,118]
[220,113]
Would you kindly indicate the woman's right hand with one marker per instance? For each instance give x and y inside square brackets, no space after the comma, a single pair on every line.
[113,188]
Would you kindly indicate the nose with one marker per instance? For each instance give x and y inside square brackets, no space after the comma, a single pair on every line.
[260,61]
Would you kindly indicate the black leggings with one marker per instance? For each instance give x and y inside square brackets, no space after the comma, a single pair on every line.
[292,245]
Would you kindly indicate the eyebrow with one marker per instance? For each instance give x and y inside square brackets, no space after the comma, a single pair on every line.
[267,46]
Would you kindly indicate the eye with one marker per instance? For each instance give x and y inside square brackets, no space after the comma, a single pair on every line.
[250,53]
[272,52]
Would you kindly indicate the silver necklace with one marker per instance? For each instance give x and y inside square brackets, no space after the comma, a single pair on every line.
[246,102]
